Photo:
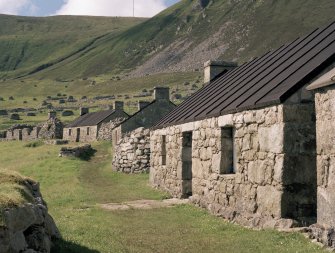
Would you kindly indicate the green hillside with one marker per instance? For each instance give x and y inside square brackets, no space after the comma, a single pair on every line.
[28,44]
[179,39]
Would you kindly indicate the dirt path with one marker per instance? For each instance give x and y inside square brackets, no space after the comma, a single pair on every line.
[144,204]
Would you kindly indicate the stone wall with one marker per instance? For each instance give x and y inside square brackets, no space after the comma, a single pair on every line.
[257,194]
[86,134]
[101,131]
[132,152]
[105,132]
[147,117]
[324,231]
[51,129]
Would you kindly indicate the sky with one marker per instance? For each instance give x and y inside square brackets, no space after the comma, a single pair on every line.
[143,8]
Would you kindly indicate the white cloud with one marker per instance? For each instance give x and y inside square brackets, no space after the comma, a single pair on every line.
[14,7]
[143,8]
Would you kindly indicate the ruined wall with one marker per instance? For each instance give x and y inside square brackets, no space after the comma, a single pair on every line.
[51,129]
[255,194]
[132,152]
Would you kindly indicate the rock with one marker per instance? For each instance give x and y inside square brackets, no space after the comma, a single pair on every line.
[67,113]
[15,116]
[28,228]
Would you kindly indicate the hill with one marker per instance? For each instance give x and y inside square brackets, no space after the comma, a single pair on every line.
[28,44]
[180,38]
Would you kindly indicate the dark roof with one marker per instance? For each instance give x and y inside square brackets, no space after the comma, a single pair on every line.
[91,119]
[148,105]
[266,80]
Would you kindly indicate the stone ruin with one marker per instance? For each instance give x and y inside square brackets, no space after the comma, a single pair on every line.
[132,152]
[51,129]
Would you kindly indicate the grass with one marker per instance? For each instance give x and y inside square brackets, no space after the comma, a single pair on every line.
[34,92]
[73,189]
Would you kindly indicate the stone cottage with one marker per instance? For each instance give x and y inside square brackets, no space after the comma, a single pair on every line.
[324,89]
[93,126]
[132,149]
[148,114]
[244,145]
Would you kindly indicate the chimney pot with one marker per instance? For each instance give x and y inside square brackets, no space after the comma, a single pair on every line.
[213,68]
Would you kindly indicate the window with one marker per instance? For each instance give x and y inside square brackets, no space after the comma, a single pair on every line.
[164,150]
[88,131]
[70,132]
[228,154]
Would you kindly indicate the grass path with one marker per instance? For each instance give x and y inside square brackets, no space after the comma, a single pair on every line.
[73,188]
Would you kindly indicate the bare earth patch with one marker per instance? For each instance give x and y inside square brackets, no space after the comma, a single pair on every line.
[144,204]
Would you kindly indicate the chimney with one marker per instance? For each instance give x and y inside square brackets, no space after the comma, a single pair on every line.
[83,111]
[162,93]
[213,68]
[118,105]
[52,114]
[142,104]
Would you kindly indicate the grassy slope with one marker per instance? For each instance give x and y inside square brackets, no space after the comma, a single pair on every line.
[73,187]
[27,43]
[250,29]
[34,89]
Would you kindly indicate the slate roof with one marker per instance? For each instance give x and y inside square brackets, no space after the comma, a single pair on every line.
[91,119]
[266,80]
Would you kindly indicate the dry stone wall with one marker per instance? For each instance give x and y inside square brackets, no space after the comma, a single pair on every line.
[132,152]
[256,194]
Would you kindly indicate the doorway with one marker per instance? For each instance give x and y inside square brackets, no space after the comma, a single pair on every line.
[78,135]
[187,165]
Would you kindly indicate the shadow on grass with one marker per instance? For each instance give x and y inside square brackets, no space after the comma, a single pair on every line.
[61,246]
[87,155]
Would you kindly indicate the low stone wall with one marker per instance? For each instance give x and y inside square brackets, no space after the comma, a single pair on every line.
[132,152]
[81,152]
[28,228]
[56,142]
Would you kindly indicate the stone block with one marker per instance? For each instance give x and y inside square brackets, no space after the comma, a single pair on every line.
[271,139]
[226,120]
[269,200]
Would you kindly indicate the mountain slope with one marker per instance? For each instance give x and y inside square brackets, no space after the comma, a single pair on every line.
[182,37]
[28,44]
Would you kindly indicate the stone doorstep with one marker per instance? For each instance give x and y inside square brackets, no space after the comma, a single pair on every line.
[144,204]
